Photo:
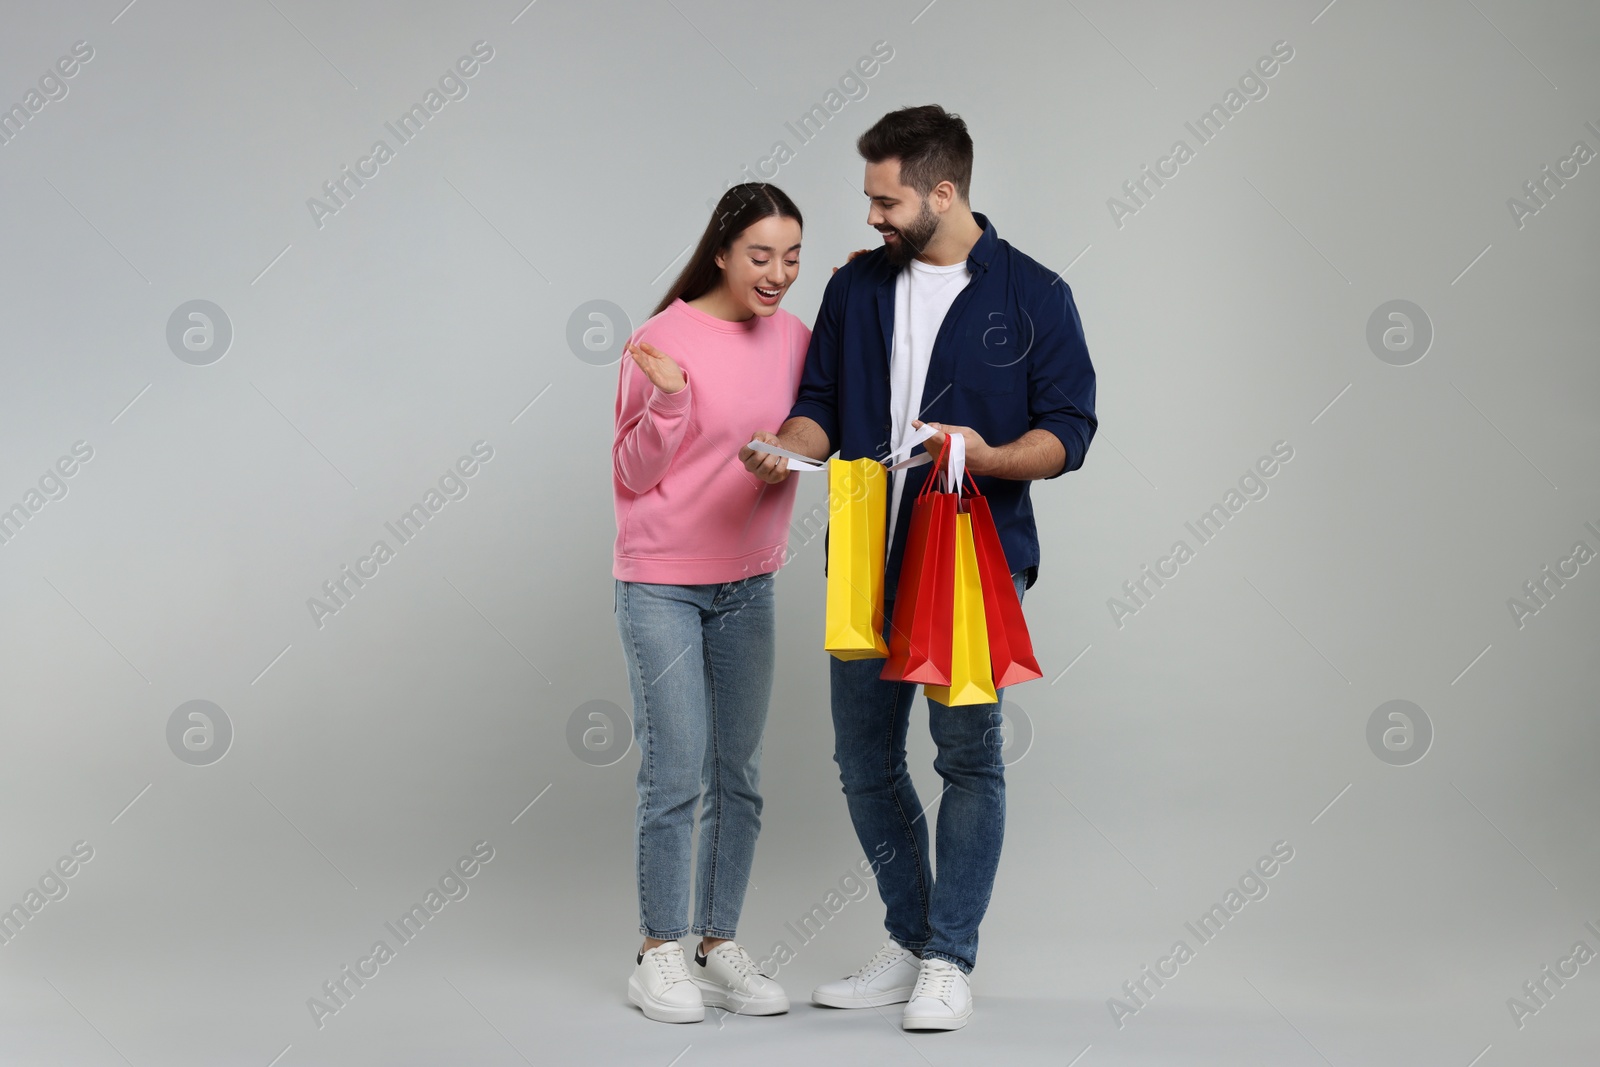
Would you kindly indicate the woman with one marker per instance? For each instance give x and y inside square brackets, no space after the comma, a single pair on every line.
[698,541]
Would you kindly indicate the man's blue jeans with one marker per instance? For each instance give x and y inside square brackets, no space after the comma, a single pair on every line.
[700,665]
[870,718]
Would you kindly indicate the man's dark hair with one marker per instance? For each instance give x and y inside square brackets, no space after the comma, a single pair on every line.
[931,143]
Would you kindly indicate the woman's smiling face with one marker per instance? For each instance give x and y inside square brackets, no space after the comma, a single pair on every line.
[762,263]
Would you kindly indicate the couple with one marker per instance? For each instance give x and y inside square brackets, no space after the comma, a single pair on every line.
[945,322]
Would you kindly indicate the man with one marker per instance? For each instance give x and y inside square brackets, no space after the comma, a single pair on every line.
[946,323]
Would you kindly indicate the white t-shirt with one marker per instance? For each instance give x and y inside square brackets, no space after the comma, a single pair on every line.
[923,294]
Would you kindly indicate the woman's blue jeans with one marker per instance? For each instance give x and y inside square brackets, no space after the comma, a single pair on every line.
[700,664]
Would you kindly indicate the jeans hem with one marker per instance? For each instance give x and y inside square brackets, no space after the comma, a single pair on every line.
[667,936]
[713,931]
[935,954]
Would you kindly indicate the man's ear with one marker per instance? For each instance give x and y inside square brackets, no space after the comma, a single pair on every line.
[943,196]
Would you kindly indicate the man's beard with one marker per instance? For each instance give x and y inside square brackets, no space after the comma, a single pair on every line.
[913,238]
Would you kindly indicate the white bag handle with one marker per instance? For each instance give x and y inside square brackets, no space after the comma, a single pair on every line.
[916,438]
[958,463]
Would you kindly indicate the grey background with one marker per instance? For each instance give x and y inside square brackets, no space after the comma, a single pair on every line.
[431,312]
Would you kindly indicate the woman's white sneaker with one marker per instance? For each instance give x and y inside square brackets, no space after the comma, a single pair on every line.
[728,979]
[661,986]
[942,999]
[887,978]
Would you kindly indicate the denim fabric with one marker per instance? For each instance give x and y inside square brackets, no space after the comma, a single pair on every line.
[700,664]
[870,718]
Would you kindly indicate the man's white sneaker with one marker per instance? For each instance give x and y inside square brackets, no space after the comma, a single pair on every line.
[661,986]
[727,978]
[942,999]
[887,978]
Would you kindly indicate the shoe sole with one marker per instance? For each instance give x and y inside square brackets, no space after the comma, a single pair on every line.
[661,1013]
[876,1000]
[717,997]
[935,1022]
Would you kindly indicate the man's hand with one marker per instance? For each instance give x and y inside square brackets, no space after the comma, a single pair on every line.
[979,452]
[852,255]
[769,468]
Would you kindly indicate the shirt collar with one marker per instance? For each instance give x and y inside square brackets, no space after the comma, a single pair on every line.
[988,245]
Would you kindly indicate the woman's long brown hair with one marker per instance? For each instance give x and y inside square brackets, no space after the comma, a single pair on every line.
[739,207]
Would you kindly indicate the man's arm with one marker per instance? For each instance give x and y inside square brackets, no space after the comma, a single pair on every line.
[814,418]
[1061,394]
[802,434]
[1061,379]
[1036,454]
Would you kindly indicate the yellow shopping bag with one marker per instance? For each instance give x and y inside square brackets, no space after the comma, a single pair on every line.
[858,509]
[971,675]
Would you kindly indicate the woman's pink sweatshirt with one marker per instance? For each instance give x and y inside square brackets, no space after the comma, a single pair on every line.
[688,513]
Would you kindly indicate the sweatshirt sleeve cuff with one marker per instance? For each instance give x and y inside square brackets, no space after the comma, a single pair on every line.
[671,403]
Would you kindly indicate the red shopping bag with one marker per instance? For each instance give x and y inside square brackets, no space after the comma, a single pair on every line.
[1010,646]
[920,631]
[971,676]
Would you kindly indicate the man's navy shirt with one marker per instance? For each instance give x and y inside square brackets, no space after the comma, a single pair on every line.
[1009,357]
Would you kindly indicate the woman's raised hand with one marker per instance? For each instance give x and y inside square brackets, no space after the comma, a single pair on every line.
[662,370]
